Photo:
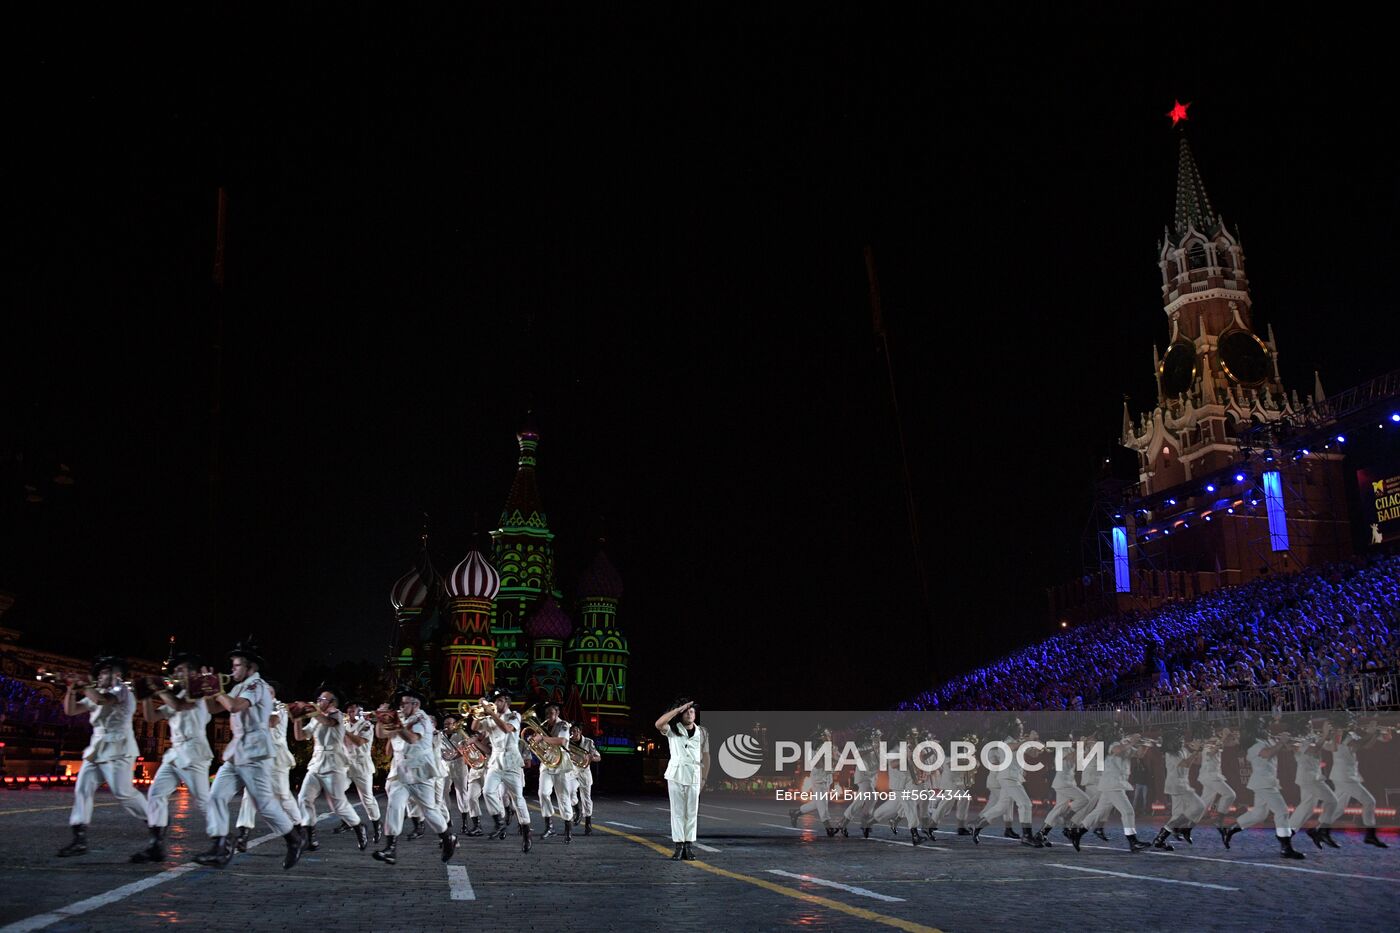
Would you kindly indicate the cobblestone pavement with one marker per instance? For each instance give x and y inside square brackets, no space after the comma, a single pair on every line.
[755,873]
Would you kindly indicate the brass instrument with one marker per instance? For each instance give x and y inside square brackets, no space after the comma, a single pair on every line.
[461,745]
[482,709]
[205,685]
[66,679]
[301,711]
[533,732]
[388,718]
[578,755]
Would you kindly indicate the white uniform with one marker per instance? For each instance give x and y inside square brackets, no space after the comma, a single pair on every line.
[1263,780]
[821,788]
[110,756]
[1013,794]
[1312,789]
[456,783]
[1113,794]
[583,779]
[326,773]
[282,762]
[1347,785]
[557,784]
[1215,792]
[1187,806]
[505,771]
[361,763]
[901,804]
[185,762]
[683,777]
[248,761]
[863,807]
[1069,798]
[414,770]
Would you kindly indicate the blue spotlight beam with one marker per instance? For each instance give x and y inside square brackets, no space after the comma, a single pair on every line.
[1278,519]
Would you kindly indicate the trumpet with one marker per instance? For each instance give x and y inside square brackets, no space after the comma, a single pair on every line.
[388,718]
[65,678]
[551,756]
[301,711]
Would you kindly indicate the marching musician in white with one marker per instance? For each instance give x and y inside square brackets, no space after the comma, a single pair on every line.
[282,763]
[821,778]
[1187,805]
[686,773]
[1262,754]
[1312,789]
[456,785]
[359,747]
[247,761]
[1113,786]
[583,777]
[186,761]
[1346,777]
[506,769]
[415,769]
[862,808]
[1069,798]
[556,788]
[111,752]
[327,772]
[1216,793]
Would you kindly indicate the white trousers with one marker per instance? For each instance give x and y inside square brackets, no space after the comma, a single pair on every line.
[584,783]
[512,783]
[557,793]
[1266,803]
[685,810]
[898,807]
[821,805]
[1187,810]
[281,791]
[862,807]
[1216,793]
[362,779]
[334,785]
[117,774]
[1312,794]
[253,778]
[1346,792]
[454,787]
[1013,795]
[421,794]
[1109,801]
[474,797]
[170,776]
[1067,800]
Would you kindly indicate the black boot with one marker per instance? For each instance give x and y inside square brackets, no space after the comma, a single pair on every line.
[964,831]
[1044,837]
[311,844]
[390,852]
[297,842]
[417,829]
[241,842]
[568,830]
[977,832]
[1134,845]
[687,854]
[79,844]
[1160,840]
[525,837]
[449,843]
[1326,832]
[1075,835]
[915,836]
[588,825]
[1186,834]
[680,850]
[219,854]
[361,837]
[378,829]
[1227,834]
[464,824]
[476,827]
[500,831]
[1315,835]
[794,816]
[154,852]
[1009,833]
[1034,841]
[548,828]
[1101,834]
[1285,844]
[1372,839]
[344,827]
[865,832]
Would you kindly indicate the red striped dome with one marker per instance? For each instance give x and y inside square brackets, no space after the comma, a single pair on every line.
[411,592]
[474,576]
[549,621]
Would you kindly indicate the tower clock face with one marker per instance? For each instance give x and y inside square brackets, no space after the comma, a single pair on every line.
[1244,357]
[1178,368]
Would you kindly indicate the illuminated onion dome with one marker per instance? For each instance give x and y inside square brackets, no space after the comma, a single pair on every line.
[549,621]
[474,576]
[411,592]
[601,579]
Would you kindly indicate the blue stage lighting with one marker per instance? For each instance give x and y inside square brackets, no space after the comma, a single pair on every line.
[1395,416]
[1278,519]
[1341,438]
[1171,502]
[1210,487]
[1122,581]
[1239,477]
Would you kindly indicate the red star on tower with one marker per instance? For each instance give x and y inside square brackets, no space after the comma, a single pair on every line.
[1178,112]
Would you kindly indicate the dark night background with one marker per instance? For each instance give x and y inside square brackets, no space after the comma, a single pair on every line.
[649,221]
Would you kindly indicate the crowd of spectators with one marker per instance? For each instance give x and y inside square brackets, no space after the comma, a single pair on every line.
[1313,630]
[23,701]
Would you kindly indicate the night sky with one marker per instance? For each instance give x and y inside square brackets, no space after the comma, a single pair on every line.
[647,223]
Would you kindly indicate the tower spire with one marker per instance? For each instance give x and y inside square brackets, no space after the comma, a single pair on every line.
[1193,207]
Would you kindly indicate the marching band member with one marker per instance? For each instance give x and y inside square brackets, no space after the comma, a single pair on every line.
[505,771]
[952,785]
[247,761]
[1069,797]
[862,808]
[186,761]
[1346,778]
[457,781]
[1216,793]
[111,752]
[583,777]
[476,779]
[359,743]
[686,772]
[326,773]
[1312,789]
[1187,805]
[1013,792]
[821,778]
[556,787]
[1263,780]
[415,768]
[282,763]
[1113,787]
[901,803]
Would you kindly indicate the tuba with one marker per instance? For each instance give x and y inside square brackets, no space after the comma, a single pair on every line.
[532,730]
[460,745]
[578,755]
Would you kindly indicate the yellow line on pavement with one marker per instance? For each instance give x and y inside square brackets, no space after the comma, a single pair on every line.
[860,912]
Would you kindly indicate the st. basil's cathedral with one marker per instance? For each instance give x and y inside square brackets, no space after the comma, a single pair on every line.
[499,620]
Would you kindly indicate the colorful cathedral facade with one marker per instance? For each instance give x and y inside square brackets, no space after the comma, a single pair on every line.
[499,619]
